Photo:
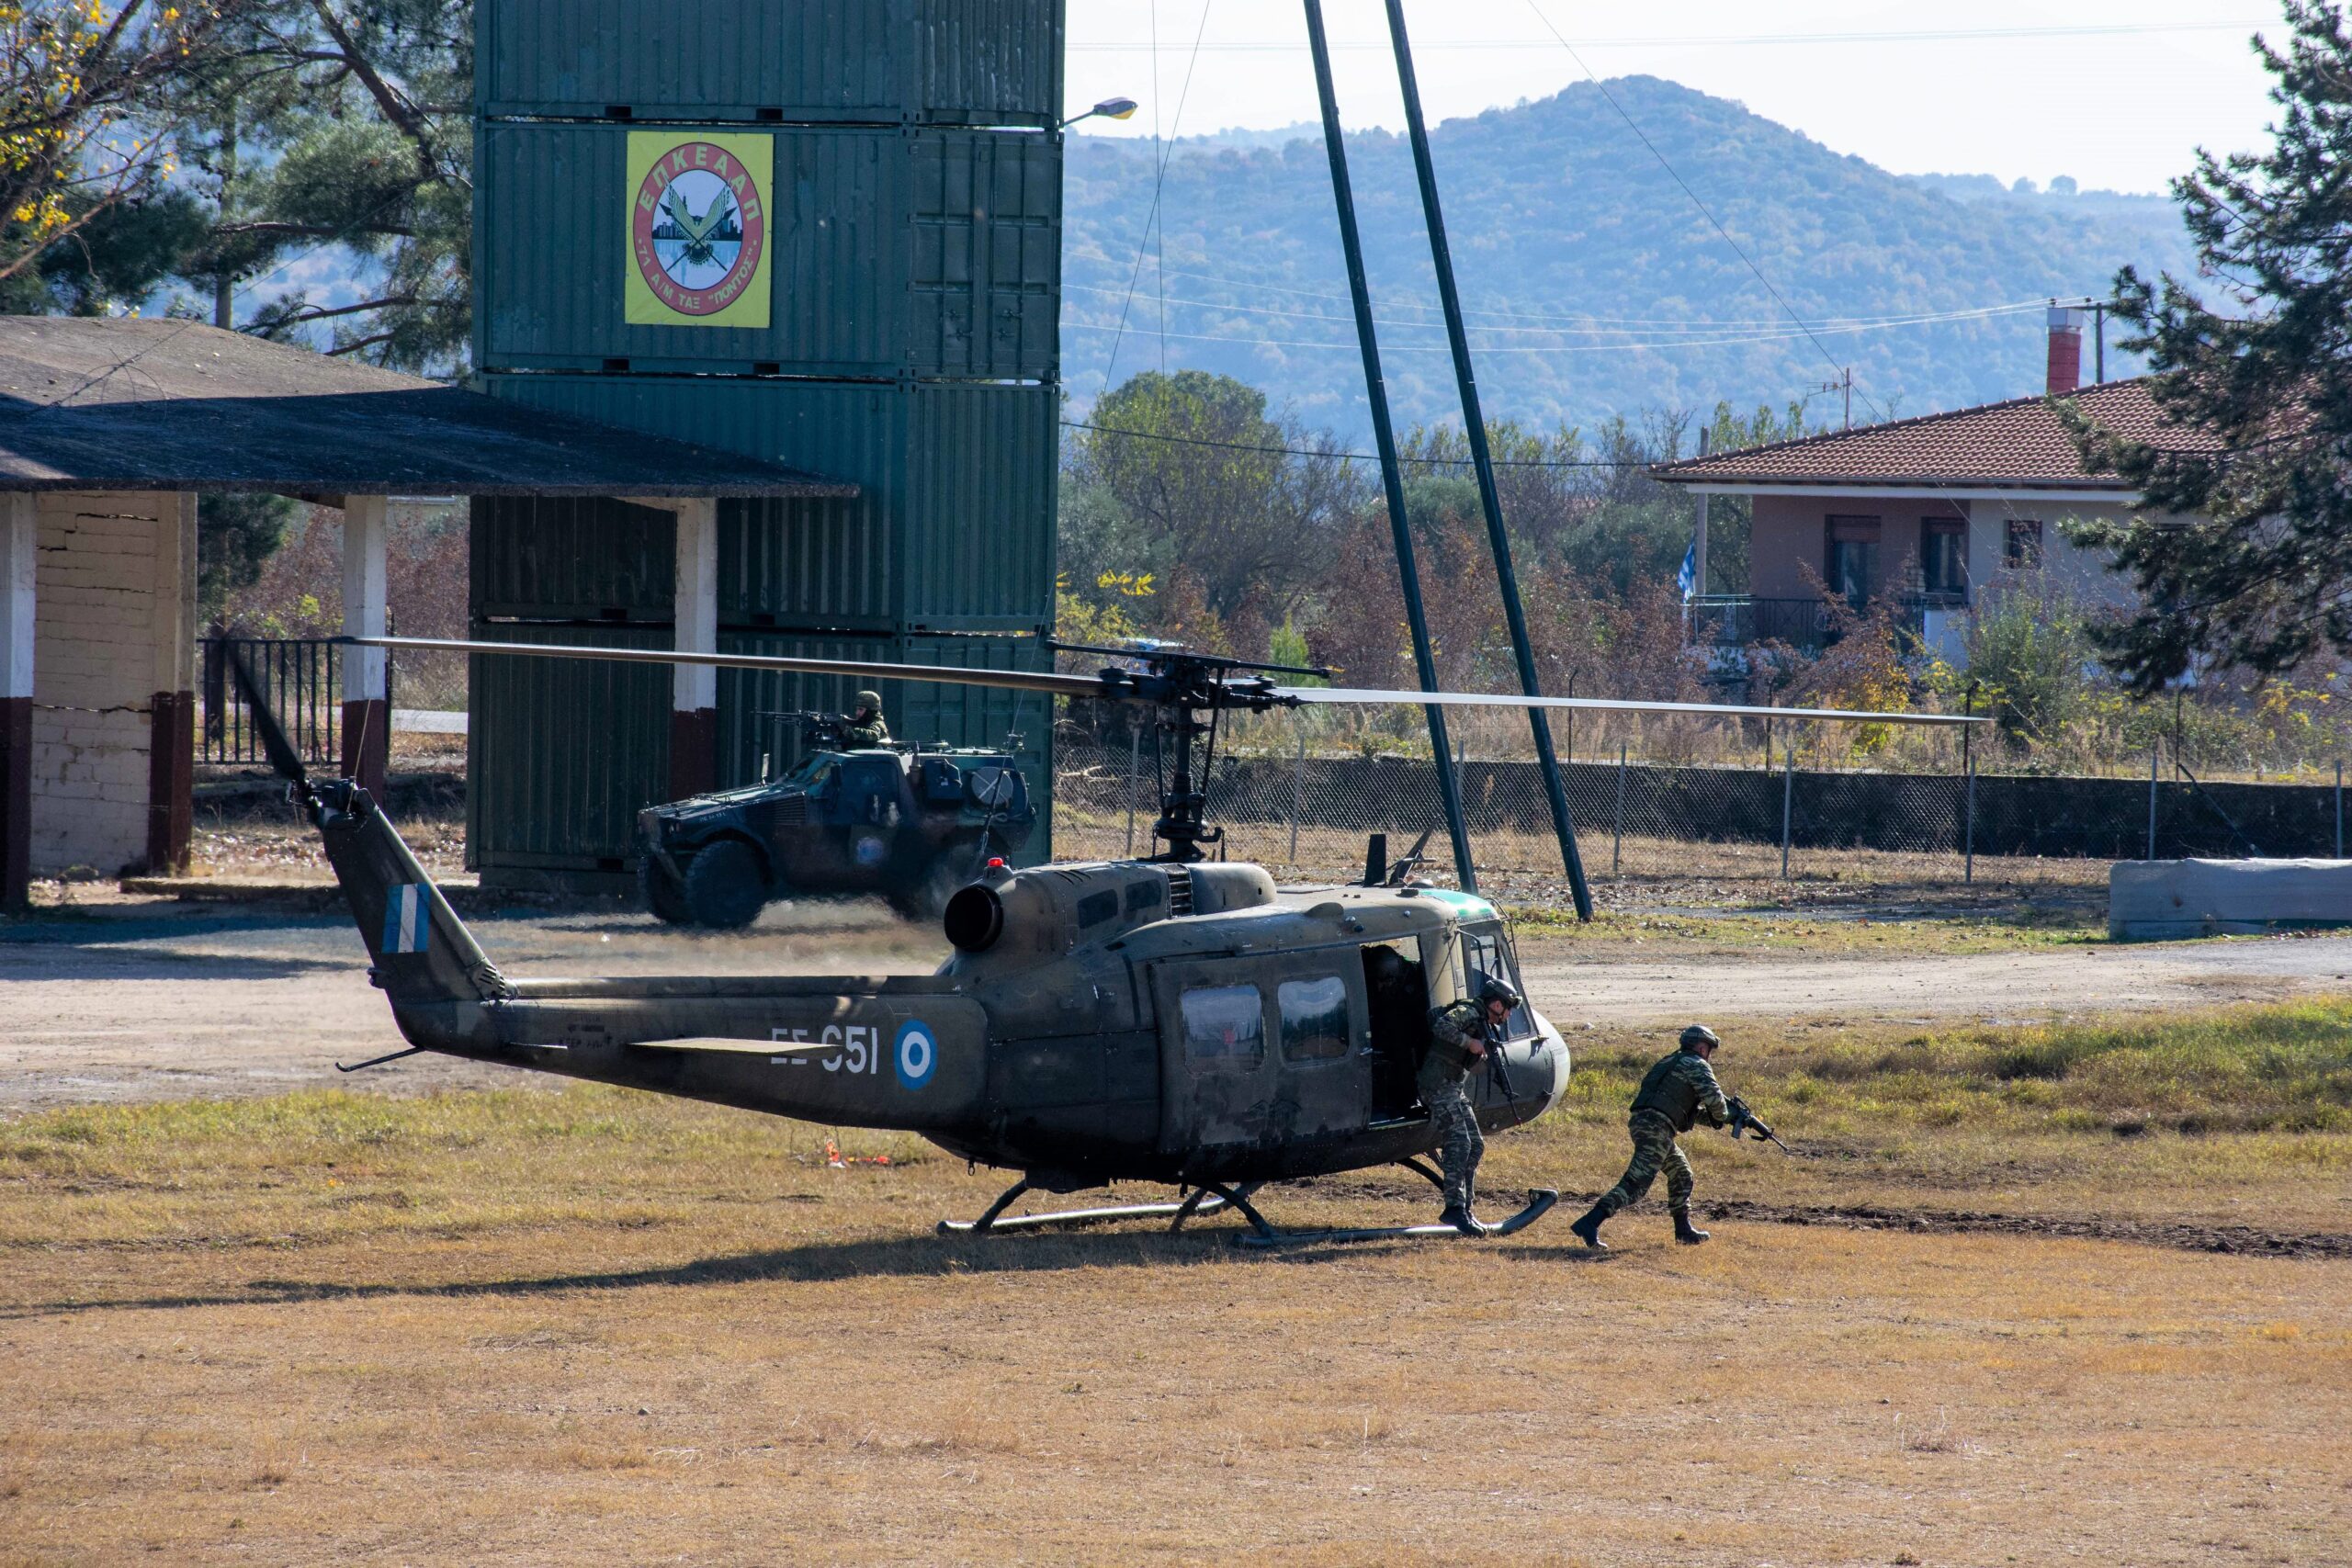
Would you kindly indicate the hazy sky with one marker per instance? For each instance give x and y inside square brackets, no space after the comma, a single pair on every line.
[2115,93]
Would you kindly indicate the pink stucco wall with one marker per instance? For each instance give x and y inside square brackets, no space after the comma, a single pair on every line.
[1791,537]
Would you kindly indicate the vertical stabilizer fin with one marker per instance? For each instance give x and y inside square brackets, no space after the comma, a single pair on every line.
[422,952]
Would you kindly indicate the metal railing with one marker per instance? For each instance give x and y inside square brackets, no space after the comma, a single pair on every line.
[1735,620]
[303,679]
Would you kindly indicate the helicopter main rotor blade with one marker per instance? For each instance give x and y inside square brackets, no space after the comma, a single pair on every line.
[1017,680]
[1364,696]
[1242,696]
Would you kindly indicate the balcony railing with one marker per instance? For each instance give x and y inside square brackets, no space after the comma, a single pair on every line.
[1736,620]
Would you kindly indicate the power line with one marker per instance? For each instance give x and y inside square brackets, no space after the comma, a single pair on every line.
[1725,322]
[1158,180]
[1906,35]
[1356,456]
[1630,326]
[1741,340]
[1707,211]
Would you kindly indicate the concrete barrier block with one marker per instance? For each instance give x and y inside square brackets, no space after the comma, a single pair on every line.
[2169,900]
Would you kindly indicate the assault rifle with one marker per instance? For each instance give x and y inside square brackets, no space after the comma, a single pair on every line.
[1746,1123]
[1494,1068]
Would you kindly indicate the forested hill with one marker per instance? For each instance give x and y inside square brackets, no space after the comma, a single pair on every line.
[1605,289]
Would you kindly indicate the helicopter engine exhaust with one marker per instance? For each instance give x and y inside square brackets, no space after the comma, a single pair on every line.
[974,917]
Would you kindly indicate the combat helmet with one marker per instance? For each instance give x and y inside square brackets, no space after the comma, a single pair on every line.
[1698,1034]
[1497,990]
[866,702]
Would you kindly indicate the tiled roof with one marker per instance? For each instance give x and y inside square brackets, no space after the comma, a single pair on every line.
[1997,446]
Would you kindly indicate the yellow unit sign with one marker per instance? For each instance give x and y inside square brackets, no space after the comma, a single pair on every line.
[698,229]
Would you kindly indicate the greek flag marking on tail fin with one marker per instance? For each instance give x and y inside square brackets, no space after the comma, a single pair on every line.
[408,917]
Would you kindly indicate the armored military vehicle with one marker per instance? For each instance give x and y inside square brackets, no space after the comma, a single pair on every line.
[910,823]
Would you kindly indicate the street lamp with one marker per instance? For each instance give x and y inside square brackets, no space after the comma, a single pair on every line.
[1109,108]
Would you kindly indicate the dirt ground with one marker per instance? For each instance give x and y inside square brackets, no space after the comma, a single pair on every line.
[255,1312]
[622,1330]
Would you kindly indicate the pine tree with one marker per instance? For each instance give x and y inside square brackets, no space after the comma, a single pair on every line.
[2264,581]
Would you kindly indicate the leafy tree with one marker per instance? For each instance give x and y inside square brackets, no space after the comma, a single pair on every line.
[235,535]
[302,125]
[76,80]
[2265,581]
[1186,476]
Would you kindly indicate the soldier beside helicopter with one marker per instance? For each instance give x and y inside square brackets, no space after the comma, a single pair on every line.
[1460,1033]
[1678,1091]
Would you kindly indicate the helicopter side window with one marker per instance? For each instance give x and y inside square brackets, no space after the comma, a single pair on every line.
[1224,1026]
[1314,1018]
[1484,956]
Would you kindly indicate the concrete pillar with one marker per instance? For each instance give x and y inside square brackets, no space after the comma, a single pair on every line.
[19,522]
[367,712]
[171,739]
[693,699]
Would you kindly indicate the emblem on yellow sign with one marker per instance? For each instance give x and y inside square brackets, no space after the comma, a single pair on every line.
[698,229]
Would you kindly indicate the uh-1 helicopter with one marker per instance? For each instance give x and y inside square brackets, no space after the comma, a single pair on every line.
[1172,1021]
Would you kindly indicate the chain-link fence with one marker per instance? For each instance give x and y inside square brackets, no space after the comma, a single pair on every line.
[1289,798]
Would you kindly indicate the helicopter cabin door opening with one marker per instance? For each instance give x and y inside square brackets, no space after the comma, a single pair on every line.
[1257,1052]
[1397,988]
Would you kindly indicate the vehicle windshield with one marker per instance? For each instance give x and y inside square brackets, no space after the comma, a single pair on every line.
[1486,954]
[813,773]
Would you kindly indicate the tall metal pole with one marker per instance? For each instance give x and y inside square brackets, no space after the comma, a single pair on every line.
[1474,425]
[1392,478]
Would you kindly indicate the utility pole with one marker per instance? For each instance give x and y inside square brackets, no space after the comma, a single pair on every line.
[1392,477]
[1474,425]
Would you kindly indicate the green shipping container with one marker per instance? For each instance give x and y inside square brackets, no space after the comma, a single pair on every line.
[954,531]
[561,754]
[881,62]
[876,254]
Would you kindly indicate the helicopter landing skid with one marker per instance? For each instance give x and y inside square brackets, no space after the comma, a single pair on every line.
[1195,1203]
[1539,1203]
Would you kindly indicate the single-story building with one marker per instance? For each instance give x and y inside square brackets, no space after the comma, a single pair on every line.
[110,428]
[1925,512]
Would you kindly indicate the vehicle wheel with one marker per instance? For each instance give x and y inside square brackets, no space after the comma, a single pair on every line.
[658,893]
[725,887]
[926,899]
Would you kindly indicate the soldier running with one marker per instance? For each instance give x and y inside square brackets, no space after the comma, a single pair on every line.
[1460,1035]
[1677,1092]
[865,727]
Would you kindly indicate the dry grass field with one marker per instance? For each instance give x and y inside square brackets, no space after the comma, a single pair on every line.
[568,1324]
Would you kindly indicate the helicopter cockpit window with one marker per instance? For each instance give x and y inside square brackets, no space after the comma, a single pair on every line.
[1315,1018]
[1224,1026]
[1486,954]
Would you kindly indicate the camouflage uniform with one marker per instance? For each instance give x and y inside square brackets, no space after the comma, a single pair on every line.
[873,732]
[1453,1030]
[1679,1091]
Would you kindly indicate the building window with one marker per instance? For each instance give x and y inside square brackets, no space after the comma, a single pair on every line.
[1852,570]
[1224,1026]
[1315,1018]
[2025,544]
[1943,557]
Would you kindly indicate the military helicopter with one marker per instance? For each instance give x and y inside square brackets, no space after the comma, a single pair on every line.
[1172,1021]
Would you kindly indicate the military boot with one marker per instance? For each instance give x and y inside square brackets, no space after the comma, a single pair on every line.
[1587,1230]
[1460,1219]
[1684,1231]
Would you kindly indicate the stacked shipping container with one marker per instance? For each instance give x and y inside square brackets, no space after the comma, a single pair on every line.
[820,231]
